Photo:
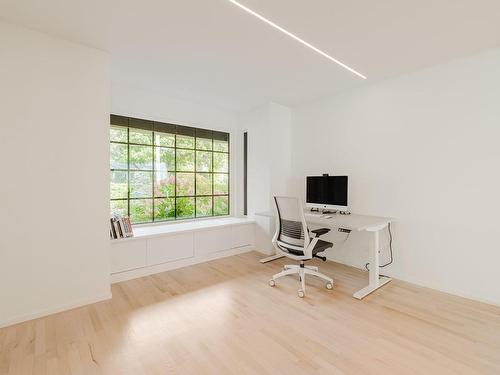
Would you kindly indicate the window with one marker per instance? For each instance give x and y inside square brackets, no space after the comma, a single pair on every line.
[162,172]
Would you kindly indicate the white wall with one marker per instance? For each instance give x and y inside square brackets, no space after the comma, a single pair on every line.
[54,242]
[131,101]
[422,148]
[269,164]
[150,105]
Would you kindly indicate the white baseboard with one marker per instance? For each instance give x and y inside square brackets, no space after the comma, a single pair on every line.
[266,252]
[452,292]
[150,270]
[420,283]
[55,310]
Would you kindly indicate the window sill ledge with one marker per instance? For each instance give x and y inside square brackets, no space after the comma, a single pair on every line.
[160,230]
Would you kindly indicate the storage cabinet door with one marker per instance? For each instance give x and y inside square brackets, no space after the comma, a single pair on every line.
[242,235]
[211,241]
[170,248]
[128,255]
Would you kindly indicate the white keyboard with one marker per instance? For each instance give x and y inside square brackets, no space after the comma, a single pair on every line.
[323,216]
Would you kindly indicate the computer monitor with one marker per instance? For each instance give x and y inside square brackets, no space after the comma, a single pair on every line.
[327,192]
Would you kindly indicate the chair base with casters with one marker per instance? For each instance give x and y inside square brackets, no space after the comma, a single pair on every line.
[302,270]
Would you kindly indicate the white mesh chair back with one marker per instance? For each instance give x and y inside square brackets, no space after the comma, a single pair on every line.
[292,228]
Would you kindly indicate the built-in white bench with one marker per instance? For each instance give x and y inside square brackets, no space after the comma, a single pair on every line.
[161,247]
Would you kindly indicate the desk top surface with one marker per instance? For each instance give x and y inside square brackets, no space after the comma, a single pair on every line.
[353,221]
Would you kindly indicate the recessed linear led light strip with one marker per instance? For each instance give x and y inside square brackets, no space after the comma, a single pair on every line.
[293,36]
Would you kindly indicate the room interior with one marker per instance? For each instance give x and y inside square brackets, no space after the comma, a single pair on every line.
[249,187]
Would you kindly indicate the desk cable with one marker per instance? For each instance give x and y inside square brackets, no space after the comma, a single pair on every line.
[346,237]
[390,252]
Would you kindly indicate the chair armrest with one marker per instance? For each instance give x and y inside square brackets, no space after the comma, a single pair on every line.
[320,231]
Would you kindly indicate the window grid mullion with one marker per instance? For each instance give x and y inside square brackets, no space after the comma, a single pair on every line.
[164,197]
[180,196]
[128,171]
[153,175]
[175,176]
[228,176]
[212,170]
[194,167]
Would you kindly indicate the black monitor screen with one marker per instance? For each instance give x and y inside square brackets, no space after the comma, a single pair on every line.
[331,190]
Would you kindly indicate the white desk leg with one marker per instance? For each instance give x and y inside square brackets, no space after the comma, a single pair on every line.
[374,278]
[271,258]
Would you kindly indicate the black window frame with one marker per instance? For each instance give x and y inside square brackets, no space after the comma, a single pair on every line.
[245,173]
[172,129]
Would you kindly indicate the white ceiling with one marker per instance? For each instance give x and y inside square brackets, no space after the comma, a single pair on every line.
[212,52]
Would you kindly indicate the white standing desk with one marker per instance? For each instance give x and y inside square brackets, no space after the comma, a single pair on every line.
[355,223]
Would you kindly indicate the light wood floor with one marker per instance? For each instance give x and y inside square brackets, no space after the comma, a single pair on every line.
[222,317]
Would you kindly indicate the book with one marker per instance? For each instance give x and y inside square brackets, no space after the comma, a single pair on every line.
[127,226]
[130,232]
[123,222]
[120,226]
[115,225]
[113,229]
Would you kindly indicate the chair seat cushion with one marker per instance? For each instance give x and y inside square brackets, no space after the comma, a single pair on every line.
[320,247]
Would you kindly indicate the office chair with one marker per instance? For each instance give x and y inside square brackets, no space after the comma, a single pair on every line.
[293,240]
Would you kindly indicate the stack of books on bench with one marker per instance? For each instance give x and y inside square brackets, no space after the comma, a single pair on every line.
[120,227]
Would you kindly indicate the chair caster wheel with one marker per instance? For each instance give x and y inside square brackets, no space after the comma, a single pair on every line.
[301,293]
[272,282]
[329,286]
